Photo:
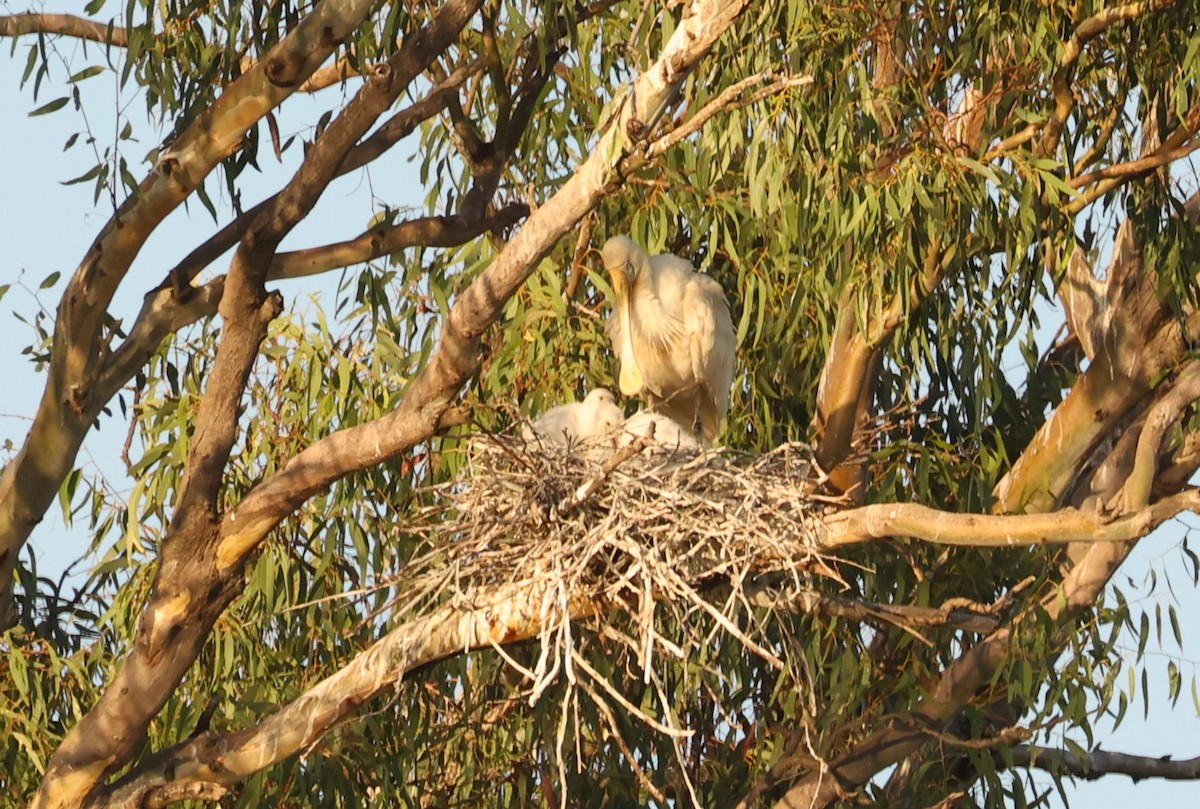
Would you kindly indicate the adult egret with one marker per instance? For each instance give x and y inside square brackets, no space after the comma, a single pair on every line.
[673,335]
[566,424]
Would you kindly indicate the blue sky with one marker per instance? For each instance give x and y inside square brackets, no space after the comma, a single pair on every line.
[46,227]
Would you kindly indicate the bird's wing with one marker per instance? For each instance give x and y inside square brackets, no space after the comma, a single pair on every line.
[559,424]
[712,344]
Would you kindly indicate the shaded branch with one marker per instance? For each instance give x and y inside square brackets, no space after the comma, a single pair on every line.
[398,127]
[430,231]
[1180,143]
[727,100]
[813,602]
[1099,763]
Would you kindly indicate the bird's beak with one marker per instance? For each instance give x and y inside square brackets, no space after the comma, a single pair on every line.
[620,279]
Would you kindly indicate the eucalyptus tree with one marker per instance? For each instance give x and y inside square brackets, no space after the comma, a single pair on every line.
[893,195]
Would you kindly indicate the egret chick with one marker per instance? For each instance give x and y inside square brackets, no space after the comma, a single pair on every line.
[661,432]
[567,424]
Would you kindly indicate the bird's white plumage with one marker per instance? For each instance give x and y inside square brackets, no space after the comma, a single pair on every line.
[577,422]
[660,430]
[673,335]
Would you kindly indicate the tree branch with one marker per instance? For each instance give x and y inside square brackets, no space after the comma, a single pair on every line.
[813,602]
[991,531]
[1180,143]
[15,25]
[191,590]
[727,99]
[1138,486]
[1099,763]
[1085,32]
[80,346]
[396,129]
[499,615]
[430,231]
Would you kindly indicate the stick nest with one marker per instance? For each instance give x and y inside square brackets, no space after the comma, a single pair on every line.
[676,542]
[614,523]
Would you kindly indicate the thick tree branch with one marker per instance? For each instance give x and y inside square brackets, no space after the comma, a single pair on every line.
[396,129]
[1099,763]
[991,531]
[850,373]
[480,305]
[15,25]
[71,402]
[190,589]
[495,616]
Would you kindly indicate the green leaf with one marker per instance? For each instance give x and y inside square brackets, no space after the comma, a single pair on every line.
[53,106]
[87,73]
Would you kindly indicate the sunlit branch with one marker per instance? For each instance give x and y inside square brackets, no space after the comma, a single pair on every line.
[83,28]
[498,615]
[1085,32]
[991,531]
[1108,127]
[1136,491]
[16,25]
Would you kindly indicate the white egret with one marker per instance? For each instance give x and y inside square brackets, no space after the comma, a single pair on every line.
[661,432]
[567,424]
[673,335]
